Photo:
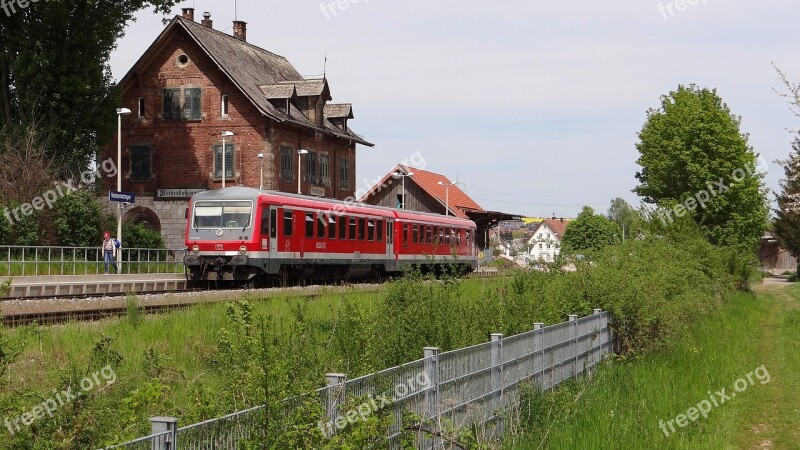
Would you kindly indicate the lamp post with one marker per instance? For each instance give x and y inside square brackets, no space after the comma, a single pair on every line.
[224,154]
[300,154]
[120,112]
[403,175]
[261,171]
[447,195]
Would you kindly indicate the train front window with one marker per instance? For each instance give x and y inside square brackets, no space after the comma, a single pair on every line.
[222,214]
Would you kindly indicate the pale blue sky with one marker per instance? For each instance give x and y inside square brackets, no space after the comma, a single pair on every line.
[534,106]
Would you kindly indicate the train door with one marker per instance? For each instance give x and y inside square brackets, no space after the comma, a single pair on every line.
[273,231]
[391,256]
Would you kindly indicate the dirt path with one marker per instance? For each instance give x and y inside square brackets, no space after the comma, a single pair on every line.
[772,419]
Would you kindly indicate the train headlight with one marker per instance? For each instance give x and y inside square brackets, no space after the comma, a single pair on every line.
[242,249]
[196,248]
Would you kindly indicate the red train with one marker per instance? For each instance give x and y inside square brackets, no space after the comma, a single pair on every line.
[241,233]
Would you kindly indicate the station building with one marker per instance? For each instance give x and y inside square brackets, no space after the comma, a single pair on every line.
[195,83]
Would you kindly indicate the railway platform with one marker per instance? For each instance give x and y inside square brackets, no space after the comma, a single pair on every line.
[92,285]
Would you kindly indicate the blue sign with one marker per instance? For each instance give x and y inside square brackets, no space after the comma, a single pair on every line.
[123,197]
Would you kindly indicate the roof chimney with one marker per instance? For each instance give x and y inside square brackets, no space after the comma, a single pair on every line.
[240,30]
[207,22]
[188,13]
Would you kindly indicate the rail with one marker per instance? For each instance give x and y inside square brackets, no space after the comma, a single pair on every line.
[36,261]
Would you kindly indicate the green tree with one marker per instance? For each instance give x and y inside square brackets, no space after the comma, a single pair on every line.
[139,235]
[590,232]
[695,161]
[54,69]
[624,215]
[78,220]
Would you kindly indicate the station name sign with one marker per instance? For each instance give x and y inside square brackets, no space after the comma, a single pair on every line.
[177,193]
[121,197]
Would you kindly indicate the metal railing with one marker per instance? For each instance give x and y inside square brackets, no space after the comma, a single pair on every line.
[36,261]
[469,387]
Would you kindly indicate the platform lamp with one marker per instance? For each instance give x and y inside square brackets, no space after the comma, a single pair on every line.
[225,134]
[447,195]
[300,154]
[120,112]
[261,171]
[403,175]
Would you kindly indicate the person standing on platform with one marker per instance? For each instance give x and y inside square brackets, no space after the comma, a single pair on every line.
[109,252]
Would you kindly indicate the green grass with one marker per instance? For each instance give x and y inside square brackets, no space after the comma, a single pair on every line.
[622,405]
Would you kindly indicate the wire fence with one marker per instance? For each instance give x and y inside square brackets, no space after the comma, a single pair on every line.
[36,261]
[469,387]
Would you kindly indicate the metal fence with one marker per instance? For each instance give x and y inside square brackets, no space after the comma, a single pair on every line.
[35,261]
[469,387]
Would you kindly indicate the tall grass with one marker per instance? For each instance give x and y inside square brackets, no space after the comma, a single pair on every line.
[621,406]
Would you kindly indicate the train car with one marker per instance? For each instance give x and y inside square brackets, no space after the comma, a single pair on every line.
[241,233]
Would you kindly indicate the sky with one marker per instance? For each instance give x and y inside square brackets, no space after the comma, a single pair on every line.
[533,106]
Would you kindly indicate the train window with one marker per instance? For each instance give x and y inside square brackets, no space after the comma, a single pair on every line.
[288,220]
[435,235]
[458,237]
[405,235]
[362,225]
[331,226]
[273,222]
[322,225]
[228,214]
[309,225]
[415,233]
[342,227]
[264,221]
[379,230]
[352,228]
[371,230]
[429,234]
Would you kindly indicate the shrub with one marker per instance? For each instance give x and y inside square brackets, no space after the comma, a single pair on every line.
[78,219]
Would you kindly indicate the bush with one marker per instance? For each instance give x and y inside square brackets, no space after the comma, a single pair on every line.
[139,235]
[78,219]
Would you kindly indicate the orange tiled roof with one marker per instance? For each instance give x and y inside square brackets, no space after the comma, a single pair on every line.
[457,200]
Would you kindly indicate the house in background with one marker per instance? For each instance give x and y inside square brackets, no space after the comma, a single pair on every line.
[424,191]
[772,257]
[194,83]
[545,242]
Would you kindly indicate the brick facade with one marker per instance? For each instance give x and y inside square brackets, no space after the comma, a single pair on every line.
[182,150]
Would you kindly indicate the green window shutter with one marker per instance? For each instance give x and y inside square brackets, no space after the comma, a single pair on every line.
[197,111]
[228,160]
[218,161]
[167,104]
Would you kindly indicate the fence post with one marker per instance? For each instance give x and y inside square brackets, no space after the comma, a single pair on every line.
[597,356]
[538,349]
[163,424]
[496,364]
[573,335]
[430,367]
[334,393]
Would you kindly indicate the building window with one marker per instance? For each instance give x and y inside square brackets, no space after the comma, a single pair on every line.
[344,173]
[229,160]
[287,157]
[192,109]
[183,104]
[311,167]
[324,170]
[541,246]
[400,201]
[140,111]
[140,162]
[224,106]
[172,104]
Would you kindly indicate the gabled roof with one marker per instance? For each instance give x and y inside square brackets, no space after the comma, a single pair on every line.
[278,91]
[457,201]
[251,69]
[339,111]
[557,226]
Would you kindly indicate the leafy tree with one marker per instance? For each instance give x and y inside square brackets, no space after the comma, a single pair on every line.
[54,65]
[590,232]
[624,215]
[696,162]
[78,219]
[139,235]
[786,224]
